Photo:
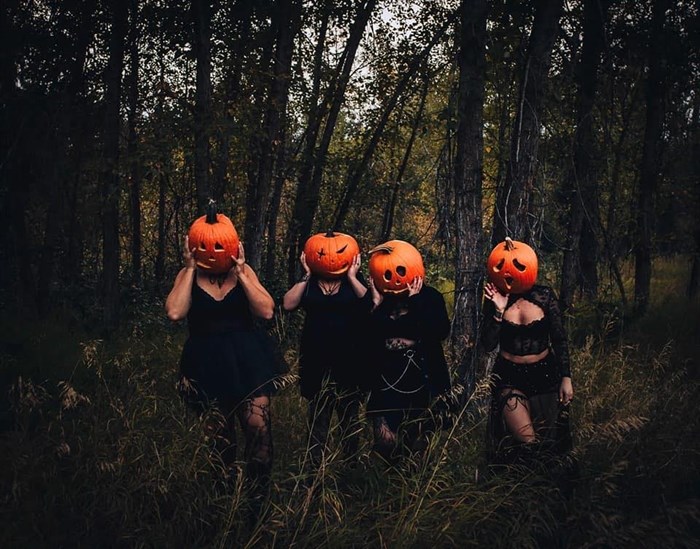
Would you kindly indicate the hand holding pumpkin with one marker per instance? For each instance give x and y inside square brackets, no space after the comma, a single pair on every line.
[354,267]
[239,262]
[377,296]
[415,286]
[304,265]
[188,254]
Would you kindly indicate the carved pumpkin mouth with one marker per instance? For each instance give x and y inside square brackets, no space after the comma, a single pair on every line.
[203,265]
[508,280]
[340,271]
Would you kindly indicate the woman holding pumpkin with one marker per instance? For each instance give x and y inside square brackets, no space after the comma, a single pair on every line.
[332,292]
[408,323]
[532,378]
[227,365]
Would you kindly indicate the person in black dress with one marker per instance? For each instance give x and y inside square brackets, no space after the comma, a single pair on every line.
[228,365]
[331,352]
[409,366]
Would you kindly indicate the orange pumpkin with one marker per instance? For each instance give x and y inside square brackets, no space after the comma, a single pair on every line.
[512,267]
[215,240]
[393,265]
[329,255]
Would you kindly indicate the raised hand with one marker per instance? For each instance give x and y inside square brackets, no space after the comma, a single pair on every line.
[188,254]
[494,295]
[415,286]
[377,297]
[354,266]
[304,264]
[239,262]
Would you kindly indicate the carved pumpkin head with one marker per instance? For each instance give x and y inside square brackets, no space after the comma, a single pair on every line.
[329,255]
[215,240]
[393,265]
[512,267]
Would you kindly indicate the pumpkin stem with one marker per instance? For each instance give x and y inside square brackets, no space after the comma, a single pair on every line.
[509,244]
[381,248]
[211,211]
[329,233]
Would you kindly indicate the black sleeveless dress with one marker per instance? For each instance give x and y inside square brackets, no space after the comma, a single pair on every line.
[226,358]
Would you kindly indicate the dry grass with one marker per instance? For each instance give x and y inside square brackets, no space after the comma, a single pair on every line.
[99,452]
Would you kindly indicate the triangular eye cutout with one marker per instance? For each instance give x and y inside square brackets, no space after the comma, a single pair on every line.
[401,270]
[218,247]
[202,246]
[519,266]
[500,265]
[341,250]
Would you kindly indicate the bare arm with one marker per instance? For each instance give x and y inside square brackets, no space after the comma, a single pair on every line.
[260,301]
[179,300]
[292,298]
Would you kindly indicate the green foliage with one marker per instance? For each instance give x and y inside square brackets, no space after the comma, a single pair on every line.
[99,451]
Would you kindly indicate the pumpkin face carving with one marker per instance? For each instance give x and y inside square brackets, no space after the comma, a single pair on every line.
[215,240]
[329,255]
[512,267]
[393,265]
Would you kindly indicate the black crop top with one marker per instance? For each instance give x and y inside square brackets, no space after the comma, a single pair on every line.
[533,338]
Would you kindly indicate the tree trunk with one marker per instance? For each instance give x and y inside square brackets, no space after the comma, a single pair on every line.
[357,173]
[651,157]
[287,14]
[241,13]
[110,175]
[388,221]
[306,201]
[201,16]
[513,201]
[132,148]
[469,241]
[581,179]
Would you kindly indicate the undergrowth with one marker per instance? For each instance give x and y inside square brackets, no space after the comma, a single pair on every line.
[98,451]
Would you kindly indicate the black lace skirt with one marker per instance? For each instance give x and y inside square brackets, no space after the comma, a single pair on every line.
[539,385]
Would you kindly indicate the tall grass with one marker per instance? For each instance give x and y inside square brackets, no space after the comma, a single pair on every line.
[98,451]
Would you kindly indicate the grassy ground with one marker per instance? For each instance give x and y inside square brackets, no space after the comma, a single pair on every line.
[98,451]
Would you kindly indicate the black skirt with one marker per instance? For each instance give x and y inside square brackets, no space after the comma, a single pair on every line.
[539,383]
[228,368]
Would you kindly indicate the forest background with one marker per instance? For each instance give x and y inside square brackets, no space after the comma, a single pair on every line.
[572,125]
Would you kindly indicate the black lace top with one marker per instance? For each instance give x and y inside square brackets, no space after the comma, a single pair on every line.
[532,338]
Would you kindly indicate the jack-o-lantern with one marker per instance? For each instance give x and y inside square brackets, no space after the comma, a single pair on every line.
[215,240]
[512,267]
[329,255]
[393,266]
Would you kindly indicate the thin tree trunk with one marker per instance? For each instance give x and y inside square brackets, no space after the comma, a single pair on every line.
[356,174]
[513,201]
[581,178]
[201,16]
[132,148]
[388,222]
[651,156]
[241,13]
[306,201]
[110,176]
[288,13]
[469,240]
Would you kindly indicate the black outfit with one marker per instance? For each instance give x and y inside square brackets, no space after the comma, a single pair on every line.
[405,381]
[226,358]
[227,361]
[538,382]
[332,361]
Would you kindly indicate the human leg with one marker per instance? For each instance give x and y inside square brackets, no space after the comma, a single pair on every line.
[254,416]
[516,415]
[348,406]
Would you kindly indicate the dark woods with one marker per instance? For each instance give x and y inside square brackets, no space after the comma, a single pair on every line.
[572,125]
